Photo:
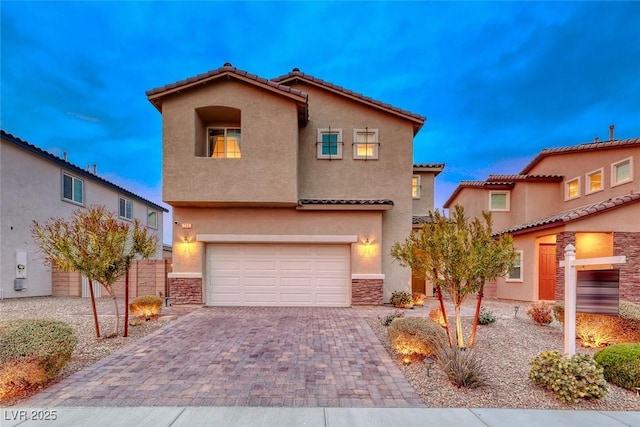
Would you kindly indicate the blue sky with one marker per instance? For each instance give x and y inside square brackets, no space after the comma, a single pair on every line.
[498,81]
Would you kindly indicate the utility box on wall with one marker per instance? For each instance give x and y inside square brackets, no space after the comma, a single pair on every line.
[18,285]
[21,264]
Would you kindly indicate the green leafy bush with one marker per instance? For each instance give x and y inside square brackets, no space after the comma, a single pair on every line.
[33,351]
[415,335]
[462,366]
[621,364]
[401,299]
[486,317]
[391,317]
[540,313]
[146,306]
[578,377]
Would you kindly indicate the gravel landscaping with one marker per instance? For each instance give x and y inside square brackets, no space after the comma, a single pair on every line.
[506,348]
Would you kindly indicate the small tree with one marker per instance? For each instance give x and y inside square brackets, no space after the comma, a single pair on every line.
[458,256]
[95,243]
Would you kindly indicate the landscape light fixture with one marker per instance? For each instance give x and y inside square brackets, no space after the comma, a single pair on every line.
[428,362]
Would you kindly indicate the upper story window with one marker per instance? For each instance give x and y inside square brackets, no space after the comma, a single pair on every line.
[72,189]
[594,181]
[329,143]
[125,209]
[152,218]
[223,143]
[415,186]
[622,172]
[365,144]
[572,189]
[499,201]
[515,274]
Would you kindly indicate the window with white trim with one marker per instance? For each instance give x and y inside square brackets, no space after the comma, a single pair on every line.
[572,189]
[125,208]
[329,143]
[365,144]
[515,274]
[152,218]
[223,143]
[622,172]
[595,181]
[72,189]
[415,186]
[499,201]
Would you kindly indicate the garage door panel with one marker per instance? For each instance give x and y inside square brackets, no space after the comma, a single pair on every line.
[273,275]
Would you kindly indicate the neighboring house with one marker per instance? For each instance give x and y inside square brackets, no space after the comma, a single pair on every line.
[288,191]
[37,185]
[587,195]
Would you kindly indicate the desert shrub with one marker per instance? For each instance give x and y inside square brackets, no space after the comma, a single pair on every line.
[33,351]
[540,313]
[596,330]
[486,317]
[417,298]
[462,366]
[391,317]
[621,364]
[415,335]
[436,315]
[401,299]
[577,377]
[146,306]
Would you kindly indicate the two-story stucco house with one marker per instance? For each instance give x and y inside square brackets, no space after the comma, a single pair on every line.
[289,191]
[587,195]
[37,185]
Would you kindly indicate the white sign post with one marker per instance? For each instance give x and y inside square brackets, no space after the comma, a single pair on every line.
[571,288]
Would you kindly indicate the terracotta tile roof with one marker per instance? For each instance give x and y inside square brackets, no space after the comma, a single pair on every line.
[591,146]
[297,75]
[76,169]
[573,214]
[528,178]
[227,70]
[353,202]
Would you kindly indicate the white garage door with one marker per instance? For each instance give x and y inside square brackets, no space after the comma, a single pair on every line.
[278,275]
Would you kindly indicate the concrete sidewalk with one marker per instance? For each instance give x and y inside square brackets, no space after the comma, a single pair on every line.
[239,416]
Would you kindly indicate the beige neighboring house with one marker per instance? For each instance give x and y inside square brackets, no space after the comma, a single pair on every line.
[587,195]
[37,185]
[286,192]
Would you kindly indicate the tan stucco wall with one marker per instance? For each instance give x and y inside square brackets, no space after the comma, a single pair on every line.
[267,170]
[31,189]
[579,164]
[389,177]
[275,221]
[424,204]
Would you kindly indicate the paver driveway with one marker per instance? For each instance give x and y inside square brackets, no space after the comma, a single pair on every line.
[241,356]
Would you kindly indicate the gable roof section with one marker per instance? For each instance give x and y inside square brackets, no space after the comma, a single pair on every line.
[581,148]
[76,169]
[227,71]
[500,182]
[573,214]
[297,76]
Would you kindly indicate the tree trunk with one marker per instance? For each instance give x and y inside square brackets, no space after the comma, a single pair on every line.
[93,306]
[112,294]
[476,318]
[444,315]
[459,335]
[126,303]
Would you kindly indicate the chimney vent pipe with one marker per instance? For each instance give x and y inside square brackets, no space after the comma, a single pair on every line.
[611,127]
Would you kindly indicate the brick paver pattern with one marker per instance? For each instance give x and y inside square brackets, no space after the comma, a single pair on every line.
[245,356]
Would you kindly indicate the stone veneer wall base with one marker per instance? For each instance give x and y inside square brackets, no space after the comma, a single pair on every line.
[185,290]
[367,292]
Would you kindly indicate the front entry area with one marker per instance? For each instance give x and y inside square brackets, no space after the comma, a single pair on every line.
[248,274]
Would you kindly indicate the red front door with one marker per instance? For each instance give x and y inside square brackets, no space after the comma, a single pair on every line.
[547,272]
